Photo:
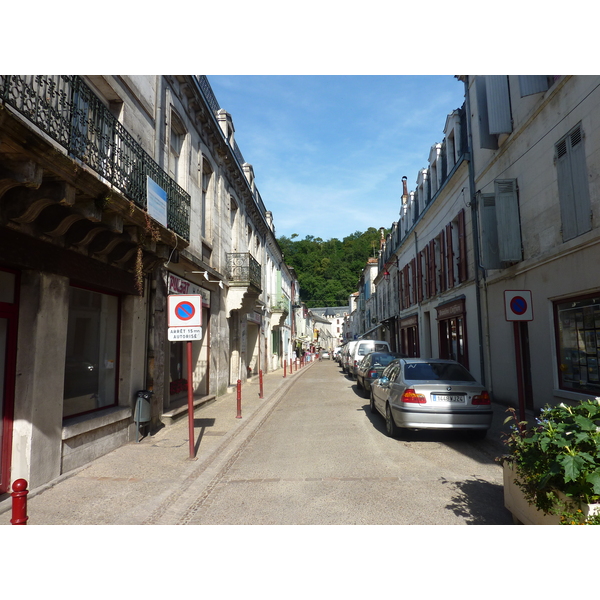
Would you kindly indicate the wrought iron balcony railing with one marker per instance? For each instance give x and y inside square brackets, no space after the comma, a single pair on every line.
[66,109]
[243,269]
[280,304]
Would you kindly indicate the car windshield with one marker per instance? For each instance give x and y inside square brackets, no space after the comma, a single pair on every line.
[383,360]
[436,371]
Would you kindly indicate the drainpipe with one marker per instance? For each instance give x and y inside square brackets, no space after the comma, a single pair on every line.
[474,223]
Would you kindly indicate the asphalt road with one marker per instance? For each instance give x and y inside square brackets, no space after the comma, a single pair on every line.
[322,458]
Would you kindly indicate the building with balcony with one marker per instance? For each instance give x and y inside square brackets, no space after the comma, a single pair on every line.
[116,192]
[87,216]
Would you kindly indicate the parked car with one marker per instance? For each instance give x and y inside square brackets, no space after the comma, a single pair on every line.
[335,353]
[372,366]
[324,354]
[346,354]
[426,393]
[361,349]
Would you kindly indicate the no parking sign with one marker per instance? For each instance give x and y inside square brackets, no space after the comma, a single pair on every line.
[518,305]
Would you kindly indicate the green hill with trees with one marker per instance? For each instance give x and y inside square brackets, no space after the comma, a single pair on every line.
[329,271]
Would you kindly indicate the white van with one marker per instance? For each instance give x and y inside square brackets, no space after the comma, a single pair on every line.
[347,355]
[361,349]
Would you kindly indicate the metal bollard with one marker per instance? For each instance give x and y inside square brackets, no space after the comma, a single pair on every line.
[290,366]
[260,383]
[19,502]
[284,367]
[239,399]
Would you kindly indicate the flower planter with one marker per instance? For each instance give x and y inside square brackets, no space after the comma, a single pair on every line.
[526,513]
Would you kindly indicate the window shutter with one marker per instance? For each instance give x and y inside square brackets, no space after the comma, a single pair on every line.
[449,256]
[508,220]
[532,84]
[426,274]
[581,192]
[498,100]
[486,140]
[443,278]
[432,267]
[413,273]
[489,232]
[462,245]
[565,191]
[573,186]
[419,277]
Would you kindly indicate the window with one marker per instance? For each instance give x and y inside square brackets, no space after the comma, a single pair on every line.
[493,109]
[91,361]
[577,330]
[207,177]
[176,139]
[573,188]
[501,225]
[452,332]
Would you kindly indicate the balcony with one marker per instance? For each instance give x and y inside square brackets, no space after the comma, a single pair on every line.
[244,281]
[243,270]
[65,109]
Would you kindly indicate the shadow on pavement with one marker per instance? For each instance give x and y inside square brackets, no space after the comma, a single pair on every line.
[479,502]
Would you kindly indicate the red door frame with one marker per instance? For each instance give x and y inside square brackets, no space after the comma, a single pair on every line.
[10,312]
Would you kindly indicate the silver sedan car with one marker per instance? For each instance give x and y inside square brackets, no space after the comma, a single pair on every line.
[419,393]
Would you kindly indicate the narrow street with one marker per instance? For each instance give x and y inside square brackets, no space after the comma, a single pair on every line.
[322,458]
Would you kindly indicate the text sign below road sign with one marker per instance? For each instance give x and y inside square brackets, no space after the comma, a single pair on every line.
[518,305]
[184,334]
[184,310]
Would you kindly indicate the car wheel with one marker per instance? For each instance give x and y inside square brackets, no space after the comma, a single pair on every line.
[372,404]
[358,383]
[391,428]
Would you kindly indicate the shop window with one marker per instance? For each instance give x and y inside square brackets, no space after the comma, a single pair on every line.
[578,344]
[91,361]
[452,332]
[409,337]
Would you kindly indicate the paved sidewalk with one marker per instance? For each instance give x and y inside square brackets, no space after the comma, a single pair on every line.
[153,481]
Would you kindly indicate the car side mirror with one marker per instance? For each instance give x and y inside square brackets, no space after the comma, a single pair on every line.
[384,382]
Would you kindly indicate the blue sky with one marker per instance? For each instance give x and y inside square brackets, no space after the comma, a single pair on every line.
[329,152]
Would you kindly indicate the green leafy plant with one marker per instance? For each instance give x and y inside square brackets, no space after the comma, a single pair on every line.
[559,453]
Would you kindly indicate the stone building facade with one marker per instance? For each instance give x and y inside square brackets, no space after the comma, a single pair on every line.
[115,193]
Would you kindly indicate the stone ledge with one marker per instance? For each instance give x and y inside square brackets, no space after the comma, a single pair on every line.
[86,423]
[180,408]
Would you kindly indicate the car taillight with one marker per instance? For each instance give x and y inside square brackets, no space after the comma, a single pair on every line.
[411,396]
[483,398]
[356,363]
[373,374]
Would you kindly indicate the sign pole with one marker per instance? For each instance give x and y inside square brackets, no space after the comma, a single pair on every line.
[190,399]
[520,387]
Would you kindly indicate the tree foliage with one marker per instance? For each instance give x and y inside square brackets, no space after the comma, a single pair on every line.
[329,271]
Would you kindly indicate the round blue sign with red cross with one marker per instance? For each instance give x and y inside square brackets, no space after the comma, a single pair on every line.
[185,310]
[517,305]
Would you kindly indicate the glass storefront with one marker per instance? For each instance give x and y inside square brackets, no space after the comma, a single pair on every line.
[91,361]
[578,344]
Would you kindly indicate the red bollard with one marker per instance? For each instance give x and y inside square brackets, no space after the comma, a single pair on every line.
[260,383]
[239,399]
[290,366]
[284,367]
[19,502]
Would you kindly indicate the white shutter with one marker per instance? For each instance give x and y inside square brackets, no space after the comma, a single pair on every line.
[508,220]
[489,232]
[498,98]
[485,139]
[581,191]
[532,84]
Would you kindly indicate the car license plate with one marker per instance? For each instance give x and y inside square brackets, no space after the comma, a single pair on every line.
[448,398]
